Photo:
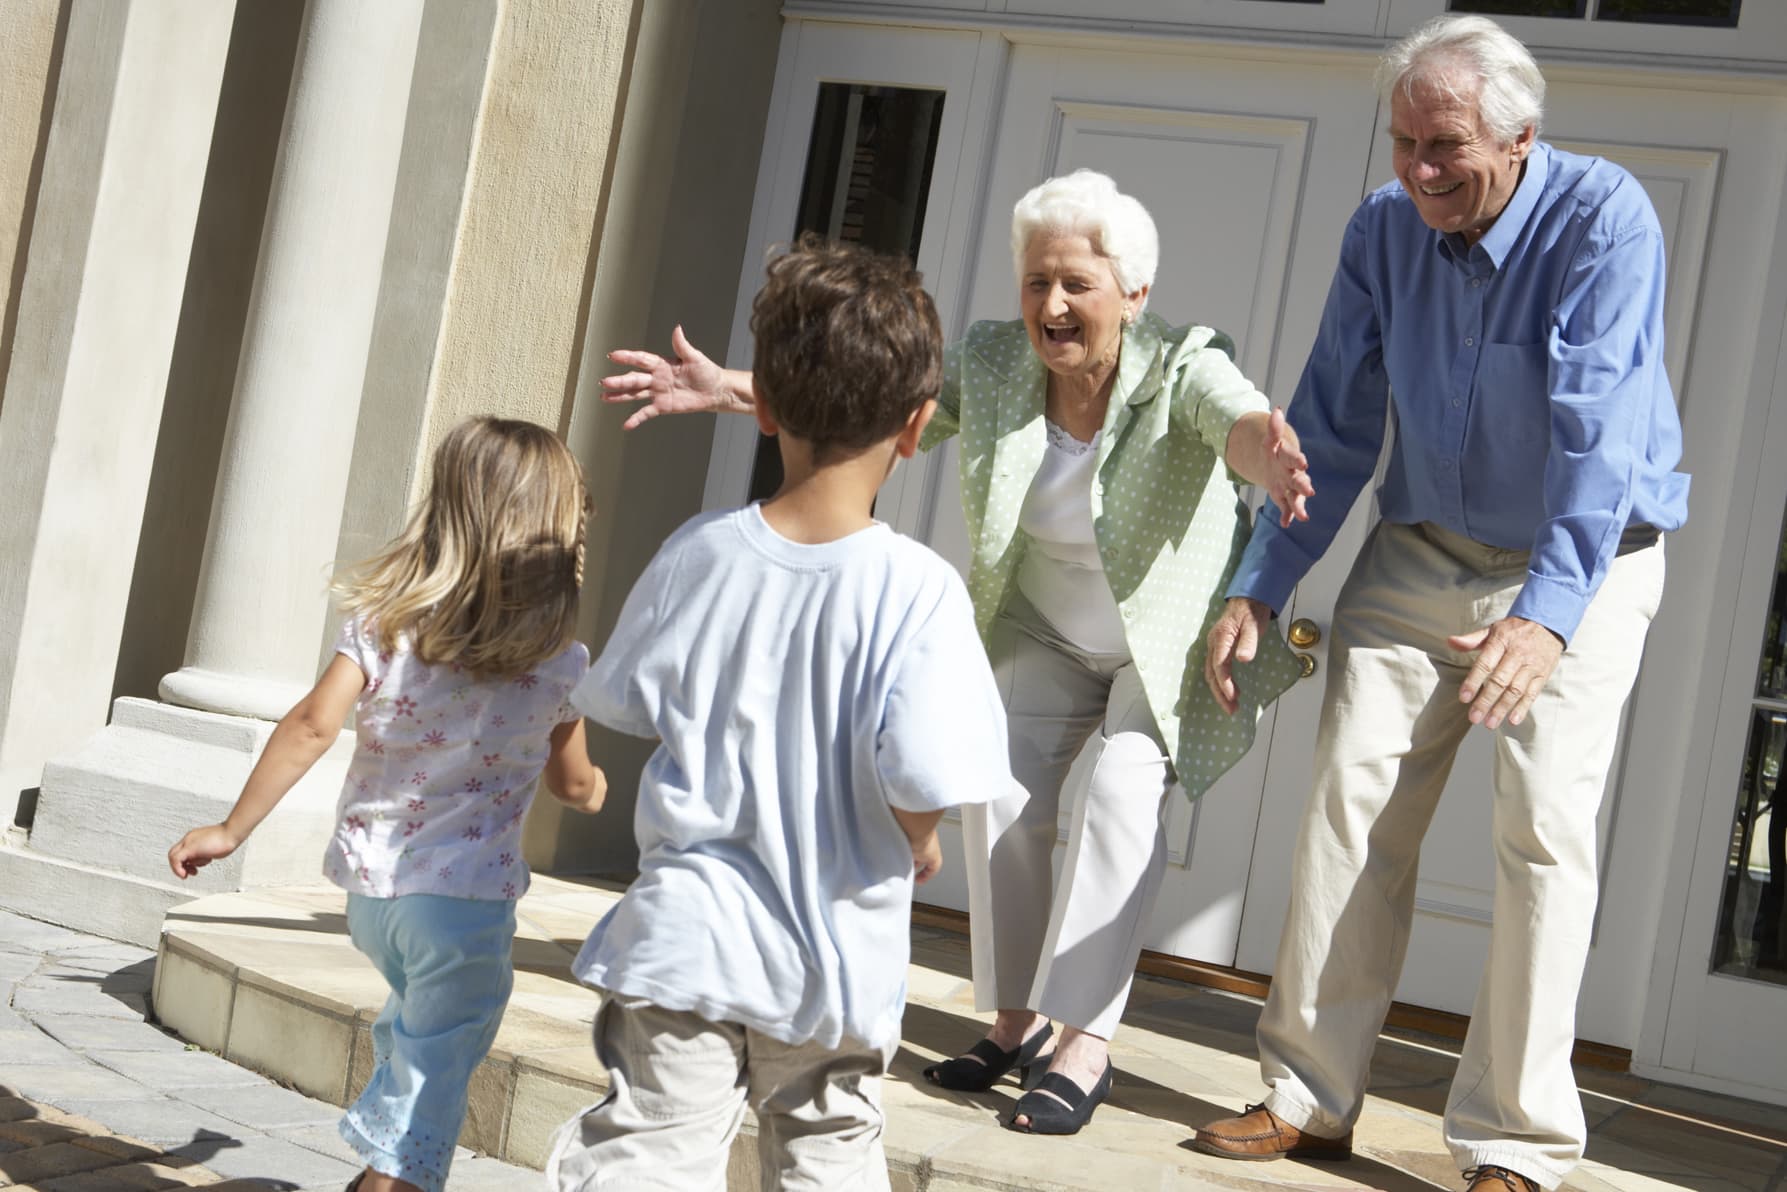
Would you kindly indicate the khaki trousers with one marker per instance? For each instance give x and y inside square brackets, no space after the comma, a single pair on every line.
[1391,722]
[677,1094]
[1066,948]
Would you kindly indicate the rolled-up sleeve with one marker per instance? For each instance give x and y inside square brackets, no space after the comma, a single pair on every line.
[947,421]
[1210,393]
[1605,363]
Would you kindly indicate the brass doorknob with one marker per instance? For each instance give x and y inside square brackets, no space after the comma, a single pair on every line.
[1307,663]
[1304,633]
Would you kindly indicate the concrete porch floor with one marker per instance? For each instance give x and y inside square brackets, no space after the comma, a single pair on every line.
[268,979]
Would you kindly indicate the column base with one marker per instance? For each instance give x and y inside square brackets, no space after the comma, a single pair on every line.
[108,812]
[230,695]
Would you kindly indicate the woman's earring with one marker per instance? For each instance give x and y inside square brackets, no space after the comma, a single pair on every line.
[1128,316]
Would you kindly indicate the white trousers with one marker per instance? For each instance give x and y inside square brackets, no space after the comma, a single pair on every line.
[1391,722]
[678,1085]
[1066,949]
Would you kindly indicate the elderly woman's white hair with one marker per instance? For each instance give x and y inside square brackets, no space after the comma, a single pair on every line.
[1511,94]
[1087,203]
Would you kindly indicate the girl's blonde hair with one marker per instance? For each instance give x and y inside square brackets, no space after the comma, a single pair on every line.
[486,573]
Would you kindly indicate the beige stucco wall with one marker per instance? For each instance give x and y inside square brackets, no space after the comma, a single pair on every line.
[507,159]
[28,36]
[673,240]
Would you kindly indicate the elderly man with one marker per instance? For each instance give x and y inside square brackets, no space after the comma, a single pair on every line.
[1507,298]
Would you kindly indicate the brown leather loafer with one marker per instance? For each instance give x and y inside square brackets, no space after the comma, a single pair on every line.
[1490,1178]
[1261,1134]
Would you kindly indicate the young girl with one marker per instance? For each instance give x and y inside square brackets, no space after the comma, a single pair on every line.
[456,655]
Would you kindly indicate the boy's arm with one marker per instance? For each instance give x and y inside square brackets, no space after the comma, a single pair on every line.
[921,830]
[572,778]
[301,737]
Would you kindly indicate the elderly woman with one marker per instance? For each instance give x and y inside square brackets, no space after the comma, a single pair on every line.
[1104,529]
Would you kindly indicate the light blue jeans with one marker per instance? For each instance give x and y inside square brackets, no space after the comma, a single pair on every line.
[448,963]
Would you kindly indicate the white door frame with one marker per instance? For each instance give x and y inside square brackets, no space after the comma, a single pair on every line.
[815,52]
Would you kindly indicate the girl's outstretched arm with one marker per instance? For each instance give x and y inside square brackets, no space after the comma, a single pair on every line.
[301,737]
[571,777]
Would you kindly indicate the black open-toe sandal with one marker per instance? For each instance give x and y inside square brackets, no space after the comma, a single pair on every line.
[1049,1116]
[964,1075]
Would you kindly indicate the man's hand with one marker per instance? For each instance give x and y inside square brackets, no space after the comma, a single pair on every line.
[1514,659]
[690,384]
[927,859]
[1234,638]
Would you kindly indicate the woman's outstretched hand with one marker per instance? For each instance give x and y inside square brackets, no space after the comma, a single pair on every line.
[689,384]
[1287,470]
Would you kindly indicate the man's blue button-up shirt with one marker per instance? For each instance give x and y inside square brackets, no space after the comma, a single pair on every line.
[1526,377]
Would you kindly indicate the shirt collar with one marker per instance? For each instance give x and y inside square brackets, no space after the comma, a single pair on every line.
[1498,241]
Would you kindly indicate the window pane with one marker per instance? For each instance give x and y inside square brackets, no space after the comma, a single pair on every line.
[1521,8]
[1752,932]
[1672,12]
[867,177]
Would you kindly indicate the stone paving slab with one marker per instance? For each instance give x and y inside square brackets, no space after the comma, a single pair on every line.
[94,1098]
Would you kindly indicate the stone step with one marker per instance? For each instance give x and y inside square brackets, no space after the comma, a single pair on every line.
[269,979]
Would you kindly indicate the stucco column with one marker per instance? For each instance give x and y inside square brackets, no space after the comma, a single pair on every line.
[262,599]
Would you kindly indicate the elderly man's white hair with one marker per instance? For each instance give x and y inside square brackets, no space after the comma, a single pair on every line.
[1087,203]
[1452,50]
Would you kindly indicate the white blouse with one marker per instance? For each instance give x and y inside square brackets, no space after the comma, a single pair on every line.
[1062,575]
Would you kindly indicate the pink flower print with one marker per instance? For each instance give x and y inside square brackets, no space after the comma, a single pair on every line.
[365,874]
[419,777]
[446,871]
[372,687]
[474,786]
[384,655]
[528,681]
[354,823]
[502,797]
[436,738]
[497,721]
[474,833]
[404,706]
[418,804]
[506,860]
[490,759]
[377,747]
[508,889]
[360,786]
[411,827]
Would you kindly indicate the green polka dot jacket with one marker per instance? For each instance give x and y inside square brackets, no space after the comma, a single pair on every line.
[1165,507]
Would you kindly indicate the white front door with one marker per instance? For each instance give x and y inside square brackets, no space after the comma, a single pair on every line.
[1249,164]
[1680,144]
[1251,158]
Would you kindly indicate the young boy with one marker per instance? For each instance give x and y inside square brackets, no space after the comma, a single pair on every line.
[821,697]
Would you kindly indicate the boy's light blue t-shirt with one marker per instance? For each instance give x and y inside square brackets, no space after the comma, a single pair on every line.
[799,692]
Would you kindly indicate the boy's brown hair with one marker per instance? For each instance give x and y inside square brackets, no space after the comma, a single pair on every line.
[848,345]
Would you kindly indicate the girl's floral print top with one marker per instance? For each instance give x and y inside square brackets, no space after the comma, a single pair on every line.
[443,771]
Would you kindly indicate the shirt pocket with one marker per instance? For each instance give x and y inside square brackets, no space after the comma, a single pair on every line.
[1513,392]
